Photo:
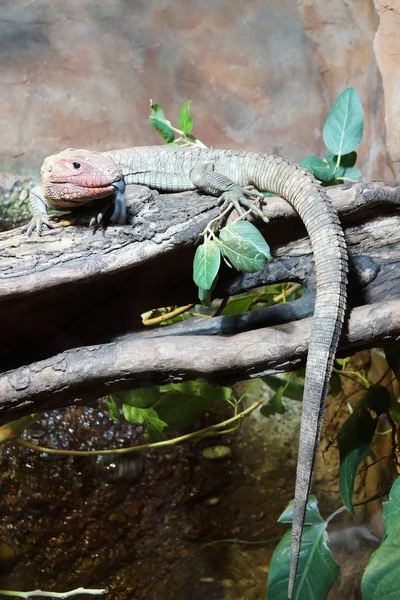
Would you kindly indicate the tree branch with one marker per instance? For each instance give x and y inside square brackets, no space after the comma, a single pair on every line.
[81,375]
[72,298]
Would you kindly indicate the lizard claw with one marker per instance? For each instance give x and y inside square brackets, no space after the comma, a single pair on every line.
[251,192]
[239,200]
[37,222]
[98,221]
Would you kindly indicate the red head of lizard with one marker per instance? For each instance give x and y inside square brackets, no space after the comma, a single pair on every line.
[78,176]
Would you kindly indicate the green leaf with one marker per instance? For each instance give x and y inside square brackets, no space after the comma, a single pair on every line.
[392,355]
[394,409]
[158,113]
[274,405]
[214,393]
[355,436]
[344,172]
[146,416]
[161,124]
[347,160]
[312,513]
[112,408]
[201,387]
[351,175]
[292,390]
[14,428]
[206,264]
[154,432]
[216,452]
[244,246]
[317,571]
[185,120]
[381,577]
[270,292]
[187,387]
[343,129]
[343,362]
[180,410]
[205,297]
[319,167]
[164,130]
[391,508]
[335,385]
[239,305]
[141,397]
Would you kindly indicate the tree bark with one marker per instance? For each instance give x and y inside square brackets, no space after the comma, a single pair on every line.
[71,300]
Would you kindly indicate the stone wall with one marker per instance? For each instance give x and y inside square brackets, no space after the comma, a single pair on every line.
[261,75]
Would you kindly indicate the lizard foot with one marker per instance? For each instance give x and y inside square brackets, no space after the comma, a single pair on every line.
[206,179]
[251,192]
[243,199]
[37,222]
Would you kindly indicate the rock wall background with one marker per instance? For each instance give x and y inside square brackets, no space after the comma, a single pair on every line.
[262,76]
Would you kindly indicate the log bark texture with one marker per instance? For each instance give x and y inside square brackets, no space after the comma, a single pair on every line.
[71,301]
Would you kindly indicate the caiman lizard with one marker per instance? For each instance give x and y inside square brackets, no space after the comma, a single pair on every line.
[77,177]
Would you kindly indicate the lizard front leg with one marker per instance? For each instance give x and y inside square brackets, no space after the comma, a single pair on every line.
[39,206]
[207,180]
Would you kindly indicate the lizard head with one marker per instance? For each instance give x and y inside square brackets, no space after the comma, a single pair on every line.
[76,176]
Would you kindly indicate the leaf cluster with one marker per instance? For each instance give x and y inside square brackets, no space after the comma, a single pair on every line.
[172,406]
[356,438]
[167,131]
[240,244]
[342,134]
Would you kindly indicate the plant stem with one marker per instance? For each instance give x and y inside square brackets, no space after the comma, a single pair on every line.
[164,443]
[33,593]
[166,316]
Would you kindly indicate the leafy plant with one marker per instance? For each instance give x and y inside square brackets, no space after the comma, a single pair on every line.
[355,437]
[168,132]
[342,134]
[315,557]
[355,442]
[381,577]
[173,406]
[240,243]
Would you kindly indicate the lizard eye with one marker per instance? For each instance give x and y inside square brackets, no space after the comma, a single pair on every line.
[76,165]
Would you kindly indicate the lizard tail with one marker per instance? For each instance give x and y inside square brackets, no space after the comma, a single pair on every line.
[298,187]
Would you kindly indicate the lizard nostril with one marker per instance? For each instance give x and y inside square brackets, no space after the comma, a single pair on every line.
[76,165]
[49,168]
